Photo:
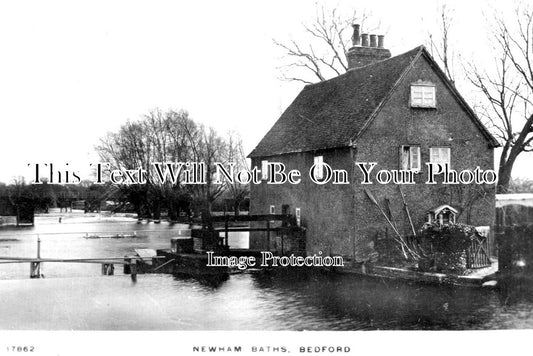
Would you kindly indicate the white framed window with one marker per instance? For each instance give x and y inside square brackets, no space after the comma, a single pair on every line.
[440,155]
[319,167]
[272,209]
[410,158]
[423,95]
[264,169]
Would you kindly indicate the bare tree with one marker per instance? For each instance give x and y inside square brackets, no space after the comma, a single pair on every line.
[129,148]
[466,198]
[507,91]
[440,45]
[207,147]
[323,56]
[235,155]
[164,137]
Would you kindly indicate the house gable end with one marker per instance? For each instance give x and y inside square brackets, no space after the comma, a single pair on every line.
[446,82]
[451,87]
[385,100]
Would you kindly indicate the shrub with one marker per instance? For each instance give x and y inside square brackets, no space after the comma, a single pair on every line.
[445,246]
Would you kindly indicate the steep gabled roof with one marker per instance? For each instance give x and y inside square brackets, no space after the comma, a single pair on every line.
[333,113]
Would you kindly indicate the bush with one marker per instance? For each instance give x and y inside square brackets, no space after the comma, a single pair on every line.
[445,246]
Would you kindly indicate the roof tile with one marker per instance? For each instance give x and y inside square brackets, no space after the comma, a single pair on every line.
[328,114]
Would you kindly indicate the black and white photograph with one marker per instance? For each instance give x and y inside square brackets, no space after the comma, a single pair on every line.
[251,177]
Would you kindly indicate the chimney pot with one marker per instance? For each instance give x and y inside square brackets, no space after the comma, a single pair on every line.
[364,40]
[356,37]
[381,40]
[367,49]
[373,41]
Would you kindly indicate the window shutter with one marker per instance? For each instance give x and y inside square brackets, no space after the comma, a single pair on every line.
[319,167]
[415,158]
[404,157]
[264,170]
[446,155]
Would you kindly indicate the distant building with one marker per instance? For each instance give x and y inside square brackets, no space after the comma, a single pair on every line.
[400,112]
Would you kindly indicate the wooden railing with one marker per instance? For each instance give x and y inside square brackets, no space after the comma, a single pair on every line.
[266,217]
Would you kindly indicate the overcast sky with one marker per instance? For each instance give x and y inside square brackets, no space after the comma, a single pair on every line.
[72,71]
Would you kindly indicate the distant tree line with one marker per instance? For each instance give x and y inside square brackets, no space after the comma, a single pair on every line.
[42,197]
[521,185]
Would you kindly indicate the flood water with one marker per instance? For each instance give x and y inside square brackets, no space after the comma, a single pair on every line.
[77,297]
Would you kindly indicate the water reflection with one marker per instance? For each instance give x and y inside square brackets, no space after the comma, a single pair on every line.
[254,301]
[208,281]
[315,301]
[75,296]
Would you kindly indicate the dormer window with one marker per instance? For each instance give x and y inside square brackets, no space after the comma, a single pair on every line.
[423,95]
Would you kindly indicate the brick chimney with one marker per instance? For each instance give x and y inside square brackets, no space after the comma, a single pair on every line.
[365,52]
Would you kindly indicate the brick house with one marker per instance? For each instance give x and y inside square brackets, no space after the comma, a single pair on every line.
[400,112]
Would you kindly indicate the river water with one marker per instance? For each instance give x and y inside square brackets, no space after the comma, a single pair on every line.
[77,297]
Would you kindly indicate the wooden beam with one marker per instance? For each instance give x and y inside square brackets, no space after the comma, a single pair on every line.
[246,229]
[267,217]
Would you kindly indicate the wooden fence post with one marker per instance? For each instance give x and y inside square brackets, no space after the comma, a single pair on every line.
[268,235]
[108,269]
[133,270]
[35,267]
[35,270]
[226,235]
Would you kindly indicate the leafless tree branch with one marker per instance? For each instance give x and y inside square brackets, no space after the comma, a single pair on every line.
[324,56]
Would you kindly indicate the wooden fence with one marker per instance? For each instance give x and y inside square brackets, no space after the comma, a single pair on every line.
[478,253]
